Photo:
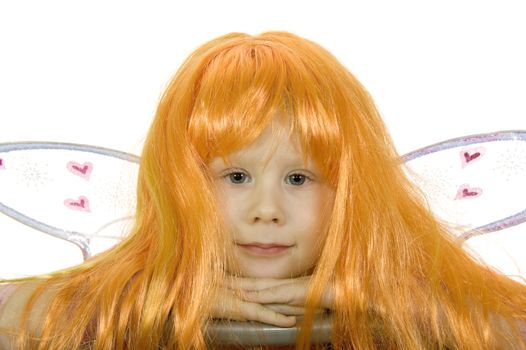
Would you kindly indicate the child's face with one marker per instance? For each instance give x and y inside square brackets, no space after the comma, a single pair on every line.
[274,210]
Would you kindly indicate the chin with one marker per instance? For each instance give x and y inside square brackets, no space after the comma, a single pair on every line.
[259,272]
[271,268]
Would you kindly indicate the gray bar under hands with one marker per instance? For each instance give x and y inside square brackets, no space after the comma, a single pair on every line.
[227,332]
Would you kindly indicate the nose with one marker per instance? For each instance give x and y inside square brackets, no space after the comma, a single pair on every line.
[266,206]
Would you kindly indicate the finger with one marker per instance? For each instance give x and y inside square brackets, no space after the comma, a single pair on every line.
[291,294]
[294,294]
[260,313]
[291,291]
[291,310]
[255,312]
[232,308]
[285,309]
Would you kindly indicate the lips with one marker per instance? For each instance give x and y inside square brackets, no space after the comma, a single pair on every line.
[264,249]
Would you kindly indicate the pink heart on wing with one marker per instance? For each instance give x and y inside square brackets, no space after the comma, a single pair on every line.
[465,191]
[471,155]
[81,204]
[83,170]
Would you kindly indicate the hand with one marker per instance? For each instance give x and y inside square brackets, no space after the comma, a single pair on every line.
[232,305]
[285,296]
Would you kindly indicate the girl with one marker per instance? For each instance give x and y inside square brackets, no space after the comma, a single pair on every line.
[268,188]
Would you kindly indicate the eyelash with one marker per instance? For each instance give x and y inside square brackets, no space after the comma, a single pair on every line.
[307,178]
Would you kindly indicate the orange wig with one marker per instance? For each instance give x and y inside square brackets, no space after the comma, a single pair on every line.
[401,280]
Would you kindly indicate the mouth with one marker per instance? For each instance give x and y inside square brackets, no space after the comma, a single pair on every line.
[264,249]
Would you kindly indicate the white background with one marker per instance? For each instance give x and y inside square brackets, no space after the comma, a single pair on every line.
[91,72]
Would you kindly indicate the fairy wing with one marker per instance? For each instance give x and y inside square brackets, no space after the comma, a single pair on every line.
[81,194]
[476,185]
[85,195]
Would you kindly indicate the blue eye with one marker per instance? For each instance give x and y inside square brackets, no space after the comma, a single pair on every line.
[238,177]
[298,179]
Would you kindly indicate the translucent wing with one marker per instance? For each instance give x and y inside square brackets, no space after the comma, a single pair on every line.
[477,185]
[82,194]
[85,195]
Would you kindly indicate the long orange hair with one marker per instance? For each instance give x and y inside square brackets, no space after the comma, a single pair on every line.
[401,280]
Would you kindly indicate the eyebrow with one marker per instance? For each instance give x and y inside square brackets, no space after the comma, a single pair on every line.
[286,160]
[296,162]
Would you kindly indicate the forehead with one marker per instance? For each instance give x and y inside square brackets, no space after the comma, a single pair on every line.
[275,143]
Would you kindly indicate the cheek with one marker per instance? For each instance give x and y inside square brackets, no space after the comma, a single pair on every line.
[310,211]
[309,229]
[231,208]
[312,218]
